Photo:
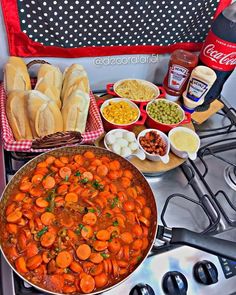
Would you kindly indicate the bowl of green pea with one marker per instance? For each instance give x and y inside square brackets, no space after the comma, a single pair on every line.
[164,115]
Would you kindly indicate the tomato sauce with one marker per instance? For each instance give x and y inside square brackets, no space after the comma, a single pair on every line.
[76,224]
[180,67]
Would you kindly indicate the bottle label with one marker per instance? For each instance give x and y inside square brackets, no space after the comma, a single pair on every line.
[218,54]
[196,89]
[177,76]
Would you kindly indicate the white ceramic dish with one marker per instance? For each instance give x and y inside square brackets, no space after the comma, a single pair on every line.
[159,91]
[180,153]
[165,159]
[137,153]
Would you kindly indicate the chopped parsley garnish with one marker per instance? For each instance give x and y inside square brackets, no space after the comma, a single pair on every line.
[115,223]
[114,234]
[42,231]
[66,178]
[84,180]
[50,195]
[78,230]
[77,173]
[114,202]
[108,214]
[139,258]
[51,200]
[91,210]
[105,255]
[82,209]
[97,185]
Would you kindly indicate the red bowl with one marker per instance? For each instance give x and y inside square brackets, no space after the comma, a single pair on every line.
[152,123]
[159,91]
[141,118]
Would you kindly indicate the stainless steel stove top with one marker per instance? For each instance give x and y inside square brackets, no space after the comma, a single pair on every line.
[196,196]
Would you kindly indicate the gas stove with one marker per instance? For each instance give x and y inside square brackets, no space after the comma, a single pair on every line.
[199,195]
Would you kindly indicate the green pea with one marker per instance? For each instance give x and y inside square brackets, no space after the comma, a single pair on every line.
[165,112]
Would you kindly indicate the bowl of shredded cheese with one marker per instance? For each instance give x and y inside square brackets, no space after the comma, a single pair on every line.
[184,142]
[120,113]
[136,90]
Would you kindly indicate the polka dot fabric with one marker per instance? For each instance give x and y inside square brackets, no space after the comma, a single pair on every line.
[89,23]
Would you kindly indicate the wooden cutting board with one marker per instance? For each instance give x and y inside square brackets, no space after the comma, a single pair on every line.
[200,117]
[149,167]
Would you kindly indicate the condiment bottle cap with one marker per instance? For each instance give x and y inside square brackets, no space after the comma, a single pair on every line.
[172,97]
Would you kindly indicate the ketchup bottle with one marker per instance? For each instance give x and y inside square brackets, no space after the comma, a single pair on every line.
[181,64]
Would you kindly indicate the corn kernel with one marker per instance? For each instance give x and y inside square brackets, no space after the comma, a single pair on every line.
[120,112]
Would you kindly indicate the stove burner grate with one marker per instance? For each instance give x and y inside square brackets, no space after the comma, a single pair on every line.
[229,115]
[216,149]
[230,176]
[209,210]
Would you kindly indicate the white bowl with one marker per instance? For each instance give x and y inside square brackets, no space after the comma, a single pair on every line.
[143,82]
[138,153]
[165,159]
[181,153]
[112,125]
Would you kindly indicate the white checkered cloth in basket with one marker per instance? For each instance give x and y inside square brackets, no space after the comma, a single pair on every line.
[94,127]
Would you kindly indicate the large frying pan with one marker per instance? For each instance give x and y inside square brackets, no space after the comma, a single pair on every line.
[173,236]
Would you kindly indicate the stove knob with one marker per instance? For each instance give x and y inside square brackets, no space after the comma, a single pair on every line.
[142,289]
[174,283]
[205,272]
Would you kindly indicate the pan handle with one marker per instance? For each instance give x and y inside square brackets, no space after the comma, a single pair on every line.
[182,236]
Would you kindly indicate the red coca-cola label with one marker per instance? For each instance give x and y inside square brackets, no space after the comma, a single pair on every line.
[218,54]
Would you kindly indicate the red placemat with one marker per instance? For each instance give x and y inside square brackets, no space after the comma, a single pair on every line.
[68,28]
[94,127]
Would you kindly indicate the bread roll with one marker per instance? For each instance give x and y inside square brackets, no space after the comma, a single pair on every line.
[44,114]
[16,76]
[75,111]
[49,90]
[51,74]
[74,77]
[16,109]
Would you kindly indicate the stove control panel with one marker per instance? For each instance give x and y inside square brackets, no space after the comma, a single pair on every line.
[142,289]
[164,274]
[228,266]
[174,282]
[205,272]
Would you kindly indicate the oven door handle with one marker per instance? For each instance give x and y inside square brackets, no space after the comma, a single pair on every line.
[182,236]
